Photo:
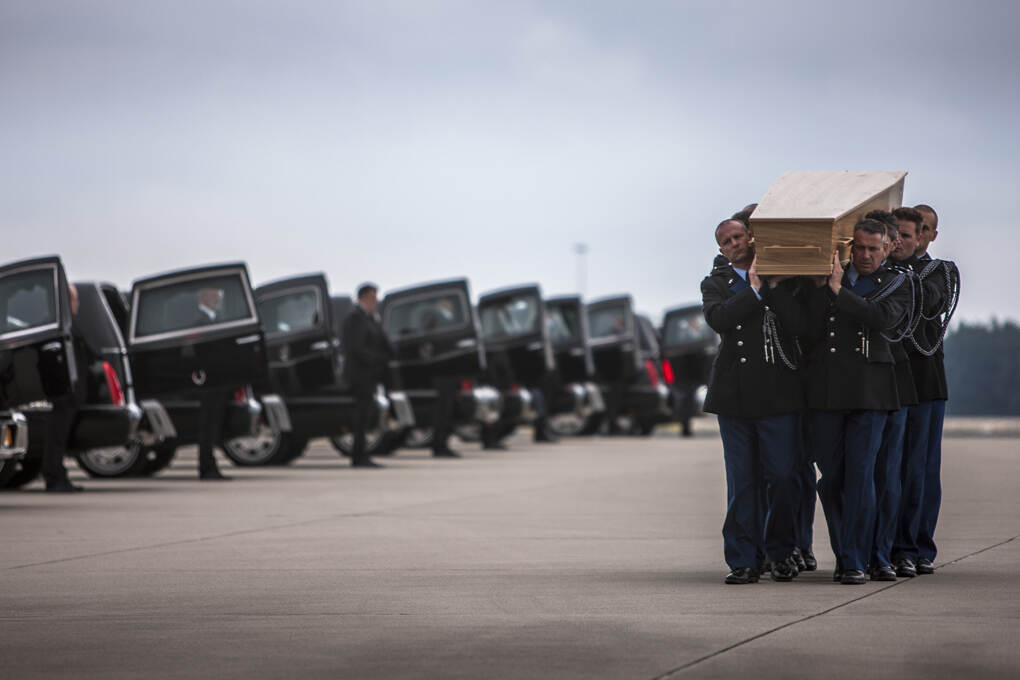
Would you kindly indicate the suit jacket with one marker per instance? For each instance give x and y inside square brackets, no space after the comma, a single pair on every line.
[744,382]
[850,365]
[367,350]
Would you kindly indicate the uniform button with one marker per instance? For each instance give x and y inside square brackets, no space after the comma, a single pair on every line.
[857,349]
[832,350]
[740,343]
[832,334]
[860,332]
[743,360]
[832,318]
[740,327]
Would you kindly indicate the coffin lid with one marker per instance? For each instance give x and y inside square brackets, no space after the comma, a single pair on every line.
[823,194]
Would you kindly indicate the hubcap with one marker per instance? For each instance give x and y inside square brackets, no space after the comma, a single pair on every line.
[255,449]
[112,460]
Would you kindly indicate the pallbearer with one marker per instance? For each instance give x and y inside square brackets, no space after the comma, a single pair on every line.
[756,392]
[851,386]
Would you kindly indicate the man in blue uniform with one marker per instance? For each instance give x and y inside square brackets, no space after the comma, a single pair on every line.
[851,386]
[757,394]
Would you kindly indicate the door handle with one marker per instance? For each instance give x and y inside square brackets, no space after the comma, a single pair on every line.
[51,346]
[319,346]
[248,339]
[467,342]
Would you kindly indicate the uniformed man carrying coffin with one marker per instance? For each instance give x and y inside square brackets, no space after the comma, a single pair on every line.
[914,549]
[851,386]
[756,391]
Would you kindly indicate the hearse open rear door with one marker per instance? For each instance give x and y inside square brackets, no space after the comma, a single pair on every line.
[513,321]
[37,360]
[568,333]
[196,330]
[434,332]
[614,342]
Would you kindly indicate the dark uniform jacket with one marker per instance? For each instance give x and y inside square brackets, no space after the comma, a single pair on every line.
[905,388]
[744,381]
[367,350]
[850,365]
[929,372]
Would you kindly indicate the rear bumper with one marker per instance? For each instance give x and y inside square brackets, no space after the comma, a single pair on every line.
[518,406]
[400,413]
[13,435]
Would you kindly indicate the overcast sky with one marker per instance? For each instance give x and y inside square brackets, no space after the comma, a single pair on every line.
[405,141]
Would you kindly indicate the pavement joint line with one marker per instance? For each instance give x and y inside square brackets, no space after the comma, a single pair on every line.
[672,673]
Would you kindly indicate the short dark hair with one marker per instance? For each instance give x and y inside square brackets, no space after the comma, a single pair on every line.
[908,214]
[742,216]
[870,227]
[887,218]
[928,208]
[730,219]
[366,288]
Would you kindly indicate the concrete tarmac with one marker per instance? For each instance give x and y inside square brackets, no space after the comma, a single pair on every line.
[593,558]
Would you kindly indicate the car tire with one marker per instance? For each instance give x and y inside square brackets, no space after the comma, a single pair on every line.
[470,433]
[25,471]
[418,438]
[113,461]
[592,425]
[265,448]
[376,443]
[158,457]
[295,450]
[7,469]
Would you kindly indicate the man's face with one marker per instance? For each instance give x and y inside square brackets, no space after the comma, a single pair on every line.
[868,251]
[906,244]
[929,232]
[369,301]
[735,242]
[211,298]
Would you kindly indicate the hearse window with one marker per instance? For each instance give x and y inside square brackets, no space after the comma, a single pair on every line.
[605,322]
[295,311]
[27,300]
[426,314]
[514,316]
[116,302]
[191,304]
[564,323]
[685,328]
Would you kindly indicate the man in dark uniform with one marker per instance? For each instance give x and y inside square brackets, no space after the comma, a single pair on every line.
[757,394]
[915,550]
[212,401]
[368,352]
[61,419]
[851,386]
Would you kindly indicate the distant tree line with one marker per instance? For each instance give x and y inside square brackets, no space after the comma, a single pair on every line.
[983,369]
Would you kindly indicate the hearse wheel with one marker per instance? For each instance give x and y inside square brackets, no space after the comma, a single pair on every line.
[418,438]
[157,458]
[112,461]
[7,469]
[376,443]
[469,432]
[265,448]
[25,470]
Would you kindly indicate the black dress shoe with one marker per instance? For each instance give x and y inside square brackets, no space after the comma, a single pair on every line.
[799,559]
[764,566]
[906,568]
[498,446]
[445,453]
[213,476]
[63,486]
[837,574]
[925,566]
[742,575]
[810,563]
[365,463]
[783,571]
[883,573]
[853,577]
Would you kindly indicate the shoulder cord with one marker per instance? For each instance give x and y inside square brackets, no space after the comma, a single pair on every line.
[911,315]
[770,331]
[942,318]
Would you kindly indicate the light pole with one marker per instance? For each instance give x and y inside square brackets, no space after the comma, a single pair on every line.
[581,250]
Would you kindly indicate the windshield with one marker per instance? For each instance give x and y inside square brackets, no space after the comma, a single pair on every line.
[686,328]
[193,303]
[427,313]
[28,300]
[607,321]
[294,311]
[507,318]
[564,323]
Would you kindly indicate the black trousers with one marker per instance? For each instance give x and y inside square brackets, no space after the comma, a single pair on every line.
[442,415]
[57,435]
[364,410]
[212,412]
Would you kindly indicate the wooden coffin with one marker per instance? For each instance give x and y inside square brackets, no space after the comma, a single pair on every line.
[806,215]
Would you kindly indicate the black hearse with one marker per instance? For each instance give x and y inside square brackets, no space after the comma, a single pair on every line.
[47,352]
[303,330]
[625,352]
[199,329]
[689,347]
[435,333]
[577,406]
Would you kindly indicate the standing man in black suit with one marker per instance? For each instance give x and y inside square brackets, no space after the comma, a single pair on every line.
[851,388]
[368,352]
[61,419]
[756,391]
[212,401]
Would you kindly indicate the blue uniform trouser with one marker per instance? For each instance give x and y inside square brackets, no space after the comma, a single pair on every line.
[807,487]
[773,443]
[931,498]
[912,474]
[845,445]
[888,487]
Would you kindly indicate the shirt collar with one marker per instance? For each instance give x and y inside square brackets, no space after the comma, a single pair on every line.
[208,312]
